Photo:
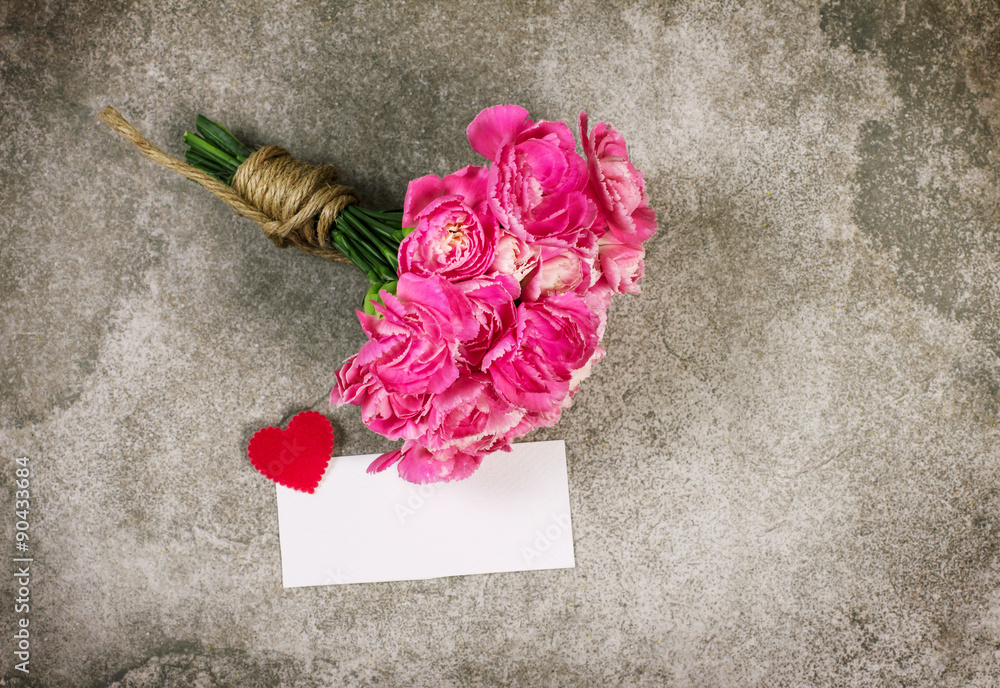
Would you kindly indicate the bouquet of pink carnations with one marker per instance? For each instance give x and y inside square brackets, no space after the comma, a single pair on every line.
[505,277]
[489,290]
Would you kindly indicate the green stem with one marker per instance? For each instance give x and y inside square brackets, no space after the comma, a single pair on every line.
[374,258]
[377,241]
[347,249]
[222,137]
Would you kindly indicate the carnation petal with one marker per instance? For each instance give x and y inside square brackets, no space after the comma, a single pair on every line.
[469,183]
[384,461]
[419,193]
[588,146]
[494,127]
[418,465]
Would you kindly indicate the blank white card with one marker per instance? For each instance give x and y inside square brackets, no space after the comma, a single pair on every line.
[511,515]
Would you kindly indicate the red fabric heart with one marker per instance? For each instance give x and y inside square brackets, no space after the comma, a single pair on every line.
[296,457]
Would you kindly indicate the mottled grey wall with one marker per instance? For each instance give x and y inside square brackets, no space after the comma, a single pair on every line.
[784,473]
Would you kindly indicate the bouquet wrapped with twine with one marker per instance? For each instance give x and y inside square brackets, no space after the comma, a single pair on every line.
[488,291]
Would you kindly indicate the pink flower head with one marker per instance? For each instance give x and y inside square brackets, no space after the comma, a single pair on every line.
[514,256]
[616,185]
[396,416]
[621,264]
[455,232]
[419,465]
[537,181]
[468,415]
[494,312]
[414,340]
[563,269]
[532,367]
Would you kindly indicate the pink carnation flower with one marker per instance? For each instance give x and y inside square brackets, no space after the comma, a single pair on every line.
[412,347]
[621,264]
[537,181]
[413,344]
[494,312]
[396,416]
[419,465]
[563,269]
[469,415]
[532,367]
[616,185]
[514,256]
[455,233]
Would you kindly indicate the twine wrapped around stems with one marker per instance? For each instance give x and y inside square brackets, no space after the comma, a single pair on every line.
[295,203]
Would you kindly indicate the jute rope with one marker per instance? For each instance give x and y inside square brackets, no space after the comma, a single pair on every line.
[294,203]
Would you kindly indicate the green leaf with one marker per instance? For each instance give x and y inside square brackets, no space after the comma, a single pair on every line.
[370,298]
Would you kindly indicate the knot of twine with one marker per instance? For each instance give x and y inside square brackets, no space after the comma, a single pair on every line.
[299,200]
[295,203]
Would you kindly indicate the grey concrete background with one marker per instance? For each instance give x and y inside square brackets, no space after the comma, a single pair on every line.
[785,472]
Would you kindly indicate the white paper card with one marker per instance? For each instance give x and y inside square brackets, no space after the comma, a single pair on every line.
[511,515]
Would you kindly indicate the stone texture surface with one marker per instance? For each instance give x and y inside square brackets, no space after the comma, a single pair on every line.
[785,472]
